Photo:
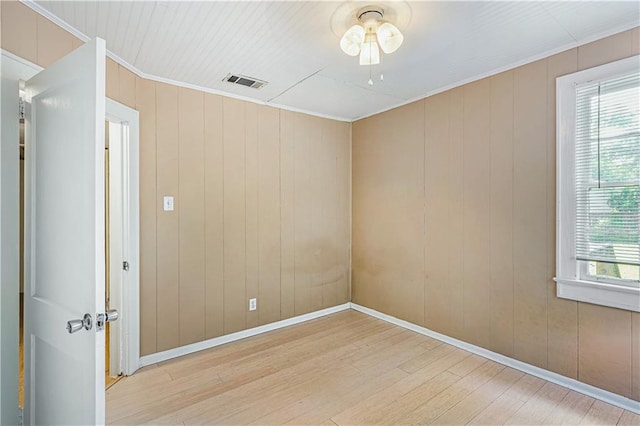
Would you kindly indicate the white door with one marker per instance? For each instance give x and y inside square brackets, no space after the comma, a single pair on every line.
[64,239]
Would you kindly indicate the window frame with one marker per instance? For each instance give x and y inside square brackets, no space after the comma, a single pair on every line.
[570,283]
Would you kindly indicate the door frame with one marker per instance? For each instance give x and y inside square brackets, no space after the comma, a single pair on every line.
[130,280]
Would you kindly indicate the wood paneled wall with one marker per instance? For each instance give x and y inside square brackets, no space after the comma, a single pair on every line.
[262,201]
[454,223]
[453,212]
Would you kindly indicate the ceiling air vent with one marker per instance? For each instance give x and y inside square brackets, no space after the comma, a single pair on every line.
[243,80]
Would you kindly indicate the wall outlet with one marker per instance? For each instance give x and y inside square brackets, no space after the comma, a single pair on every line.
[253,304]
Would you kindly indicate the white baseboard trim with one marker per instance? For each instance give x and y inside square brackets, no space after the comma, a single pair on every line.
[583,388]
[217,341]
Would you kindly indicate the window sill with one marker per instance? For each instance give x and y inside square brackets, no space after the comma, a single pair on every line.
[616,296]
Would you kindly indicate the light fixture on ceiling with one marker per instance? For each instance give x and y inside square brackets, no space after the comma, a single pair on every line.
[370,35]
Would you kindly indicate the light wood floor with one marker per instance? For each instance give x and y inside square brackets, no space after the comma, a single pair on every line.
[346,369]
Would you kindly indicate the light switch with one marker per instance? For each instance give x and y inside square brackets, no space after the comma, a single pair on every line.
[168,204]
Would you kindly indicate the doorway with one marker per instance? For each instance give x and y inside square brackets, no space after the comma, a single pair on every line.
[113,248]
[121,253]
[121,245]
[123,292]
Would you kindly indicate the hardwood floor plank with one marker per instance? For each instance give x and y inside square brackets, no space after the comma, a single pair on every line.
[602,413]
[509,402]
[313,408]
[334,405]
[571,410]
[465,367]
[154,410]
[345,369]
[536,409]
[629,419]
[479,399]
[398,351]
[431,343]
[381,399]
[212,404]
[499,411]
[329,387]
[278,398]
[429,412]
[395,412]
[432,355]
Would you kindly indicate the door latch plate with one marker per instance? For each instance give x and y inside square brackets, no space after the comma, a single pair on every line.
[100,322]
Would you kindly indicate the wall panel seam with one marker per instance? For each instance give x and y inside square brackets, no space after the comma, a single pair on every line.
[546,200]
[513,209]
[178,91]
[280,206]
[280,197]
[157,210]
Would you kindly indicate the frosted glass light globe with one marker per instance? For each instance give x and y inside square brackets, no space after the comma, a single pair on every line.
[389,37]
[352,40]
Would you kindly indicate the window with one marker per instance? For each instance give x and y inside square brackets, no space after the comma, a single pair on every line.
[598,185]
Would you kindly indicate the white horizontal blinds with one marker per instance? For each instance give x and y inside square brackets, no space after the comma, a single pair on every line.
[608,170]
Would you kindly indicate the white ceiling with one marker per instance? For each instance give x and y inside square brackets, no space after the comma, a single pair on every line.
[294,46]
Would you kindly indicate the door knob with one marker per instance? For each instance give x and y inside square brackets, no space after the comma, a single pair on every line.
[79,324]
[109,316]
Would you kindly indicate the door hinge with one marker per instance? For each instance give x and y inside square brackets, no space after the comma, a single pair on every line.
[20,416]
[125,265]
